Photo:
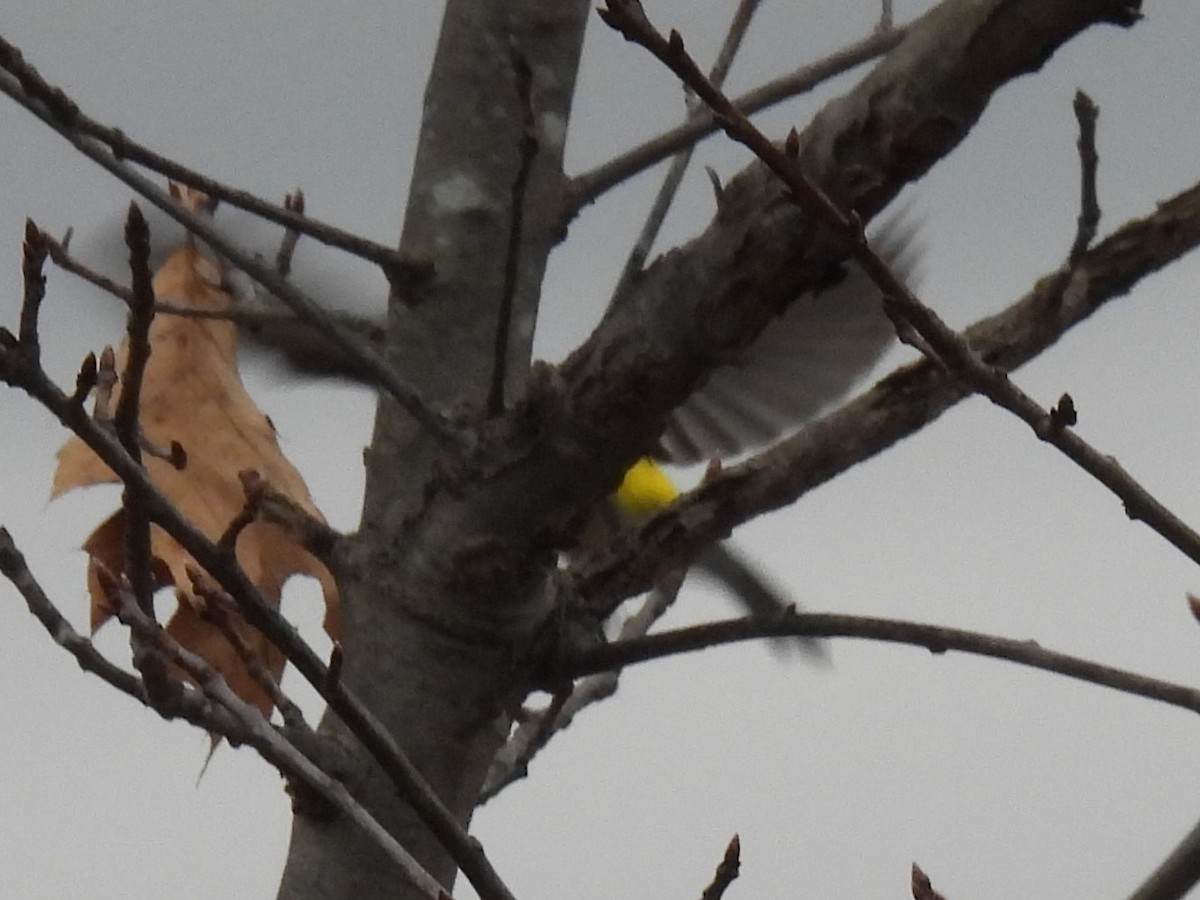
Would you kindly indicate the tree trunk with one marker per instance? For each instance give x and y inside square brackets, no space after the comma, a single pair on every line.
[433,665]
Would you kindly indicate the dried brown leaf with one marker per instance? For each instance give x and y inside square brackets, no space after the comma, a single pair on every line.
[193,396]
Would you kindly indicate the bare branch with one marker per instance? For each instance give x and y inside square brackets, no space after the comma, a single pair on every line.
[587,187]
[56,109]
[1177,874]
[936,639]
[14,568]
[628,18]
[61,257]
[1086,112]
[886,19]
[674,177]
[922,887]
[218,709]
[266,504]
[270,744]
[727,871]
[221,563]
[294,203]
[898,405]
[993,383]
[190,706]
[511,763]
[312,313]
[282,330]
[33,259]
[219,610]
[138,556]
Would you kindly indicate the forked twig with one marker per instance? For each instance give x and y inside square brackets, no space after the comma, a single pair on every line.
[54,108]
[679,163]
[52,105]
[587,187]
[270,744]
[19,371]
[511,762]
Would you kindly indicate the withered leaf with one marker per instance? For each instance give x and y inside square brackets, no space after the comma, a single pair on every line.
[193,395]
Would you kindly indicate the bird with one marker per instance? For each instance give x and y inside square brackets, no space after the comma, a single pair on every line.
[646,490]
[803,362]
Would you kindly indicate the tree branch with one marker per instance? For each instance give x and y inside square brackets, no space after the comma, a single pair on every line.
[138,556]
[221,564]
[937,341]
[1086,112]
[272,746]
[935,638]
[511,762]
[903,402]
[586,188]
[59,111]
[679,163]
[700,305]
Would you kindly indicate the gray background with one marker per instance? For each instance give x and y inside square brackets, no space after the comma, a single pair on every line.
[1000,781]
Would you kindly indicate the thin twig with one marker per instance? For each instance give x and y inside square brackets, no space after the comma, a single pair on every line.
[272,746]
[219,610]
[366,359]
[936,639]
[679,163]
[15,569]
[363,328]
[138,561]
[218,710]
[727,870]
[886,17]
[1086,112]
[511,762]
[585,188]
[265,503]
[33,260]
[191,706]
[1177,874]
[36,95]
[993,383]
[294,203]
[629,19]
[62,258]
[947,348]
[922,887]
[222,565]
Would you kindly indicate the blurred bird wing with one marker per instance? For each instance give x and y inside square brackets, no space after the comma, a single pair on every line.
[810,357]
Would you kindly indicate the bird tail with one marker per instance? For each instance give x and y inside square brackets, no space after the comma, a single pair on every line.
[751,590]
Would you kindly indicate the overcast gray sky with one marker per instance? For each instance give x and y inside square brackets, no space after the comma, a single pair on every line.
[1000,781]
